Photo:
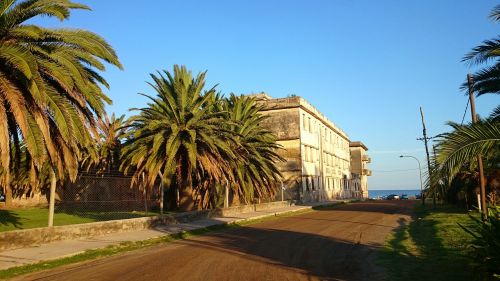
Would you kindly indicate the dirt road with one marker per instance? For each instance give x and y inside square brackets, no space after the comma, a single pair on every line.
[336,244]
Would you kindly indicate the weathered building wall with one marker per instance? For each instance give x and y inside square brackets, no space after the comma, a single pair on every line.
[359,167]
[284,123]
[316,150]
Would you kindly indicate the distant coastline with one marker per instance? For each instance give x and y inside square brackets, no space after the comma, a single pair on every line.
[384,192]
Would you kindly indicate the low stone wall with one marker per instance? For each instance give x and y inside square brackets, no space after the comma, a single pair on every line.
[29,237]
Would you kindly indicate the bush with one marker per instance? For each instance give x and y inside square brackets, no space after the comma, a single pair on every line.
[486,245]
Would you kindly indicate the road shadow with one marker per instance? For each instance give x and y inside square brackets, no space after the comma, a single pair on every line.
[315,255]
[9,218]
[423,257]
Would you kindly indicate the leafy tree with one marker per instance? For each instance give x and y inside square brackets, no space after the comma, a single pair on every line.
[50,88]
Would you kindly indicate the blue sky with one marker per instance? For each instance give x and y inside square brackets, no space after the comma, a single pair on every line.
[368,65]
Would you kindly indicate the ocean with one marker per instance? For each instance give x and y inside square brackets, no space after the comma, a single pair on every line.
[385,192]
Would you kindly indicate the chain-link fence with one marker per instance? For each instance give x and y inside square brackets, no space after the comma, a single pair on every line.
[97,197]
[106,197]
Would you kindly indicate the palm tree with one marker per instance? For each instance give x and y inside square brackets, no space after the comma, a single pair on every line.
[104,156]
[179,136]
[255,171]
[50,90]
[464,143]
[486,80]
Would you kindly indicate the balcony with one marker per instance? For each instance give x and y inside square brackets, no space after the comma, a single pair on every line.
[367,172]
[365,158]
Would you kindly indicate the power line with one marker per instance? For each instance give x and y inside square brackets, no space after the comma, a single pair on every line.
[466,107]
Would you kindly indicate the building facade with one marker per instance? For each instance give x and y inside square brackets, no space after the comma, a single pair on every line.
[317,152]
[359,168]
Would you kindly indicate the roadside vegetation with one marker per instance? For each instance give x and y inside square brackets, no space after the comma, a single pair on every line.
[188,143]
[449,242]
[455,176]
[433,246]
[26,218]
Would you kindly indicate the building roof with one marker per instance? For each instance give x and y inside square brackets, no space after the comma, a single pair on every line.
[296,102]
[358,144]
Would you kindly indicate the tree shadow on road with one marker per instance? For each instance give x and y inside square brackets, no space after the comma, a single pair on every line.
[416,251]
[316,255]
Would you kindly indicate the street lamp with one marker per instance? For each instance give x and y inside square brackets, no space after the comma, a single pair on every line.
[420,170]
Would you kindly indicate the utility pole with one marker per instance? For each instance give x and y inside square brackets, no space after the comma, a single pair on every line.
[441,191]
[484,208]
[425,139]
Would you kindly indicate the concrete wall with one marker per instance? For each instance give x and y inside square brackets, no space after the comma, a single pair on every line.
[35,236]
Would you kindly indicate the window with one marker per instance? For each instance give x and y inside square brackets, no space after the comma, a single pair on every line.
[309,124]
[304,122]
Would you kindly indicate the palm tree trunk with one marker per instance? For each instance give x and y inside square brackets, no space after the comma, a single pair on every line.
[235,200]
[186,196]
[52,196]
[8,194]
[186,202]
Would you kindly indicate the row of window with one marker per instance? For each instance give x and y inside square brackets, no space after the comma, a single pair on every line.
[311,154]
[332,160]
[313,126]
[331,183]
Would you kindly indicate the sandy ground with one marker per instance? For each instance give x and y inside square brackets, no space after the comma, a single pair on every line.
[337,244]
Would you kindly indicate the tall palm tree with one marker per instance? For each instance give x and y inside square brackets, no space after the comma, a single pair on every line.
[255,171]
[50,90]
[179,136]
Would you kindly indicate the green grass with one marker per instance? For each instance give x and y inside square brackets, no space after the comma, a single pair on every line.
[431,247]
[37,217]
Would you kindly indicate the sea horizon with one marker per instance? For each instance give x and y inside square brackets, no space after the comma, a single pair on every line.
[374,193]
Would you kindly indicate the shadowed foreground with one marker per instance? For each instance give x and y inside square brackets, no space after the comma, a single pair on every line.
[335,244]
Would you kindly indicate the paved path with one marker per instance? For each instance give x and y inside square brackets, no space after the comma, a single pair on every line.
[334,244]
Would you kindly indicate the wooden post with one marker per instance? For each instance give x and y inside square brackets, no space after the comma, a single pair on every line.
[427,153]
[479,201]
[282,189]
[162,192]
[226,195]
[484,208]
[52,198]
[145,200]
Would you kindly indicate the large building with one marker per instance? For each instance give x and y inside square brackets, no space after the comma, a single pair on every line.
[359,168]
[318,156]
